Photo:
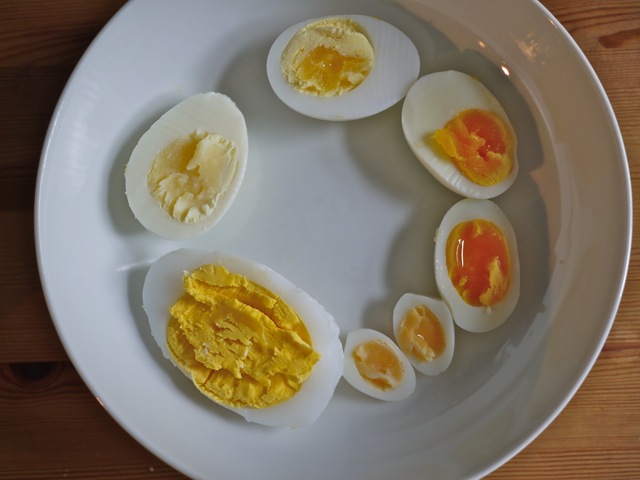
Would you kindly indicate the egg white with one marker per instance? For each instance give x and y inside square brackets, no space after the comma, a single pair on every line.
[468,317]
[396,66]
[163,286]
[431,102]
[353,377]
[409,301]
[211,112]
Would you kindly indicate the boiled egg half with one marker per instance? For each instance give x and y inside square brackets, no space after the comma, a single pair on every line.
[187,169]
[477,268]
[342,67]
[424,331]
[375,365]
[461,133]
[248,338]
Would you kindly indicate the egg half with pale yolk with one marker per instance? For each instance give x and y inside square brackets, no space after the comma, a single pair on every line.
[375,365]
[477,267]
[342,67]
[187,168]
[461,133]
[424,331]
[248,338]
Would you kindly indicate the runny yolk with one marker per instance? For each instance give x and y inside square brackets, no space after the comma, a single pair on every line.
[421,334]
[332,71]
[478,262]
[480,145]
[378,365]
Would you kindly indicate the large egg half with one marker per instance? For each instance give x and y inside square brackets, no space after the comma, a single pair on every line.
[395,67]
[477,268]
[164,285]
[432,102]
[424,331]
[216,180]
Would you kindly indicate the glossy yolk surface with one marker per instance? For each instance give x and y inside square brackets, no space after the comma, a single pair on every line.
[378,365]
[478,262]
[242,345]
[188,176]
[421,334]
[480,144]
[329,57]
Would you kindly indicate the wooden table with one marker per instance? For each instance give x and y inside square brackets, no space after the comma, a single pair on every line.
[50,424]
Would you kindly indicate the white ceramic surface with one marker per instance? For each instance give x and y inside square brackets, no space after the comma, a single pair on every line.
[345,211]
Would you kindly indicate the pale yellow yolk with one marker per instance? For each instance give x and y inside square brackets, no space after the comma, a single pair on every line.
[328,57]
[243,346]
[378,365]
[479,144]
[478,262]
[421,335]
[190,174]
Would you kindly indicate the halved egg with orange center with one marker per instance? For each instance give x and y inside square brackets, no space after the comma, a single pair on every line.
[476,264]
[461,134]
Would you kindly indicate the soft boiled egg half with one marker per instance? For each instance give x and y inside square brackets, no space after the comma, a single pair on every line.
[461,133]
[424,331]
[187,169]
[248,338]
[477,268]
[342,67]
[375,365]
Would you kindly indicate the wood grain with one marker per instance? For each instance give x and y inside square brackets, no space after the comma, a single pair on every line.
[50,424]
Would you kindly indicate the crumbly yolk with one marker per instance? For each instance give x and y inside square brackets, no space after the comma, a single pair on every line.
[189,175]
[242,345]
[378,365]
[421,335]
[480,144]
[478,262]
[328,57]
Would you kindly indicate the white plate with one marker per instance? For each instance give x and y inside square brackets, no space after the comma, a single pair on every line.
[345,211]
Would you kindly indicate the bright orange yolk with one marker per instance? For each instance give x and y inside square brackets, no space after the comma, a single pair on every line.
[479,144]
[478,262]
[421,334]
[378,365]
[332,71]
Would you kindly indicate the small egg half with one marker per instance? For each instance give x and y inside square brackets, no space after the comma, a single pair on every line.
[342,67]
[375,365]
[238,342]
[424,331]
[461,133]
[187,168]
[477,267]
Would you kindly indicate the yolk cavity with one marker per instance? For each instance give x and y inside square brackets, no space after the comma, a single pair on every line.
[328,57]
[188,176]
[480,144]
[478,262]
[421,334]
[378,365]
[242,345]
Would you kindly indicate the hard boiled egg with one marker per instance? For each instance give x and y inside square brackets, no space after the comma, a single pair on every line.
[343,67]
[423,328]
[187,169]
[248,338]
[477,268]
[461,134]
[374,364]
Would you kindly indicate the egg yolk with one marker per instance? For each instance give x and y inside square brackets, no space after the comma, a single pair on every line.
[480,145]
[378,365]
[328,57]
[242,345]
[478,262]
[421,335]
[188,176]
